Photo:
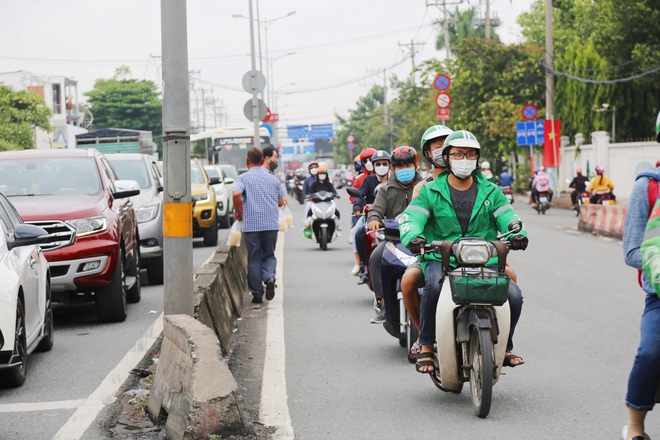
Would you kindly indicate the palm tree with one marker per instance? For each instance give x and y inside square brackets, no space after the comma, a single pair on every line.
[461,26]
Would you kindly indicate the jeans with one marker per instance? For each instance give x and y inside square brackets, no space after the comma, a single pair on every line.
[645,374]
[431,295]
[375,264]
[261,259]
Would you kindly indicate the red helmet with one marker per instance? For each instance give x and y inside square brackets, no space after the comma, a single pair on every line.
[366,154]
[599,170]
[542,169]
[657,163]
[578,171]
[403,156]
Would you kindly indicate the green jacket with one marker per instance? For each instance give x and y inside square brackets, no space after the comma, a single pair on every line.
[431,215]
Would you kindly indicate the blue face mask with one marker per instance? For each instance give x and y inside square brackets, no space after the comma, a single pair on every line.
[405,175]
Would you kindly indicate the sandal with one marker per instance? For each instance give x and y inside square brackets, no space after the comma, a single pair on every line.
[417,348]
[422,361]
[509,358]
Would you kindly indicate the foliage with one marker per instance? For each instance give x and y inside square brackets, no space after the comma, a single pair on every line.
[20,112]
[461,27]
[123,102]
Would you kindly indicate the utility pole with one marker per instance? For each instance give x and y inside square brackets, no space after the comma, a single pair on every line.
[549,79]
[412,55]
[255,98]
[488,20]
[445,22]
[203,110]
[177,201]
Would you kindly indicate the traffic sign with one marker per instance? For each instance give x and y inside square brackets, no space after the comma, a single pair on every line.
[442,82]
[350,145]
[530,133]
[529,112]
[443,100]
[350,138]
[247,81]
[443,114]
[247,109]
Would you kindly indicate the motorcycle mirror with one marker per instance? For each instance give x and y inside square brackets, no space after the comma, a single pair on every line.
[353,192]
[515,226]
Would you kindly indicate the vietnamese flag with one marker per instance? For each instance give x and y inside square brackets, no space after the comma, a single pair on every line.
[551,143]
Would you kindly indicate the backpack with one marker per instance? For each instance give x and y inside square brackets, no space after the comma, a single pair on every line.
[653,192]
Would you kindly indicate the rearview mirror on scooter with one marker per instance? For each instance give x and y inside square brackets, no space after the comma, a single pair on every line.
[353,192]
[515,226]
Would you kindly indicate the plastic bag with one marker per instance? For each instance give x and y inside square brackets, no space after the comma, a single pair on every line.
[281,219]
[307,232]
[234,238]
[289,217]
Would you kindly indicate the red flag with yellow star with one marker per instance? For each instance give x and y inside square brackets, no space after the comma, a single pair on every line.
[551,143]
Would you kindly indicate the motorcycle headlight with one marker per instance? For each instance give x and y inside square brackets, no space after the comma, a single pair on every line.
[200,198]
[473,253]
[90,225]
[316,210]
[147,212]
[330,210]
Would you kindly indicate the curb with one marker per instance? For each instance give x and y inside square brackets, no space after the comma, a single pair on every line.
[607,220]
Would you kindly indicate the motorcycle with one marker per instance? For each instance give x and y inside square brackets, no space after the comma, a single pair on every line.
[299,191]
[582,199]
[370,242]
[473,323]
[323,219]
[396,259]
[543,203]
[605,199]
[508,193]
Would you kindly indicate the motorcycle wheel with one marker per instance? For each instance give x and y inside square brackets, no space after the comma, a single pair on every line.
[324,239]
[481,378]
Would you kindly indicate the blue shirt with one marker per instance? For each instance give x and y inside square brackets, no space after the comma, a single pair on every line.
[506,179]
[307,185]
[260,191]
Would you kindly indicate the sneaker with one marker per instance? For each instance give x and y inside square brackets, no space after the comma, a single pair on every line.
[270,289]
[380,318]
[256,300]
[356,270]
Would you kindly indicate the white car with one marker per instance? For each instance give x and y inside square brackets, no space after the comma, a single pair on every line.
[26,313]
[223,195]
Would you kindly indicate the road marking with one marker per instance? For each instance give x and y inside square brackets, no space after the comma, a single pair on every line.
[274,410]
[40,406]
[87,411]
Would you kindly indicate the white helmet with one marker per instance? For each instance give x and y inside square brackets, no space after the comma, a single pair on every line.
[323,164]
[485,165]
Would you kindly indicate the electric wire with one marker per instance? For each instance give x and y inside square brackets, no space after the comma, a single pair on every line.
[598,82]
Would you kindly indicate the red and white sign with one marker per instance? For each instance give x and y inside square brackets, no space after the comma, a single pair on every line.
[443,114]
[350,138]
[443,100]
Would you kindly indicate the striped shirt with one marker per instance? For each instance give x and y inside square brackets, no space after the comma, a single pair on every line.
[260,191]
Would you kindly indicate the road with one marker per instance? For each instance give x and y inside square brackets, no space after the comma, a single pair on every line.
[348,379]
[83,355]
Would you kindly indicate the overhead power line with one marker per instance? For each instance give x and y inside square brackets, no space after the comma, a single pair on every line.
[599,82]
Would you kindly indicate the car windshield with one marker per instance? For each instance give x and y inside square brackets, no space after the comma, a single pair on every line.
[212,172]
[49,176]
[229,171]
[132,170]
[196,174]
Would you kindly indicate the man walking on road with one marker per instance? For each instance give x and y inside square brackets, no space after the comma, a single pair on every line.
[257,196]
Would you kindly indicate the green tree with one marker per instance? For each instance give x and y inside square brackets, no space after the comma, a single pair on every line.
[123,102]
[20,113]
[460,27]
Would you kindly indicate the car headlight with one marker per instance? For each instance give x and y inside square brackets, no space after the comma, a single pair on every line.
[200,198]
[473,253]
[90,225]
[147,212]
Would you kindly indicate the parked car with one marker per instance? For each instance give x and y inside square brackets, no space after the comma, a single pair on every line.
[92,246]
[26,313]
[148,207]
[231,174]
[204,204]
[223,196]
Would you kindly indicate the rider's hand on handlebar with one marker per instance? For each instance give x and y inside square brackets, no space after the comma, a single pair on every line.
[416,246]
[519,243]
[373,226]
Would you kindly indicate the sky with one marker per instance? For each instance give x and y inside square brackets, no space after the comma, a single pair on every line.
[324,56]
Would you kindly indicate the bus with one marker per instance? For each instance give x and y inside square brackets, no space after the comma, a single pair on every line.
[230,144]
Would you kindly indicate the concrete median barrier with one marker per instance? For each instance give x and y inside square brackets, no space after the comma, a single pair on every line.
[607,220]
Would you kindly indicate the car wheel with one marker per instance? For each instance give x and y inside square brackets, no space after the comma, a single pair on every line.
[211,236]
[134,294]
[15,376]
[225,221]
[47,341]
[155,271]
[111,299]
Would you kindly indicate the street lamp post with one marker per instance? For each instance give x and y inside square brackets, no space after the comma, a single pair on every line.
[606,108]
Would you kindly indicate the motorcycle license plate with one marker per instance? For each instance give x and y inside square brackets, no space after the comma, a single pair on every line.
[544,199]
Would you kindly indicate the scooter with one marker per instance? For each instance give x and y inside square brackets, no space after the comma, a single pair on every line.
[370,242]
[543,203]
[605,199]
[323,219]
[298,190]
[582,199]
[508,193]
[396,259]
[473,323]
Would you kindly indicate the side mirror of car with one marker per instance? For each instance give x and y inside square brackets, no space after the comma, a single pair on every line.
[229,180]
[126,188]
[214,180]
[27,235]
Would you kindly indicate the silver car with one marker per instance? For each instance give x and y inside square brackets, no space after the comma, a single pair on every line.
[223,195]
[148,207]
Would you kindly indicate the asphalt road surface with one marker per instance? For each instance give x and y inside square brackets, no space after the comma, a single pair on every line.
[83,355]
[349,379]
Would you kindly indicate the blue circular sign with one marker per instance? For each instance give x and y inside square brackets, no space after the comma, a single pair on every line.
[442,82]
[350,145]
[529,112]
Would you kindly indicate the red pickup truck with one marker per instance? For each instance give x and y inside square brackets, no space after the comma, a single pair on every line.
[93,244]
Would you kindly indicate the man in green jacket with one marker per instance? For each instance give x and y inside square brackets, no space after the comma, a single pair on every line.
[459,203]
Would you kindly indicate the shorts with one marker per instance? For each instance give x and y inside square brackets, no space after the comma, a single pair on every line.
[415,265]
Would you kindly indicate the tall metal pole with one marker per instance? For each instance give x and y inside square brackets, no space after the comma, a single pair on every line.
[446,28]
[487,20]
[613,123]
[261,69]
[255,98]
[177,206]
[549,79]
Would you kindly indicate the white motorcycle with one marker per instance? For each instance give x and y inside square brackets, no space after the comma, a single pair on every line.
[472,324]
[323,218]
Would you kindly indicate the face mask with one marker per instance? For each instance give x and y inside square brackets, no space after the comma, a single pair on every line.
[273,165]
[313,171]
[369,166]
[322,176]
[463,168]
[381,170]
[437,158]
[405,175]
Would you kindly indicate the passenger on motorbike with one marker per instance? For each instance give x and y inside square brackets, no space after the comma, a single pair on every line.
[579,183]
[506,178]
[600,185]
[392,198]
[485,170]
[461,203]
[540,183]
